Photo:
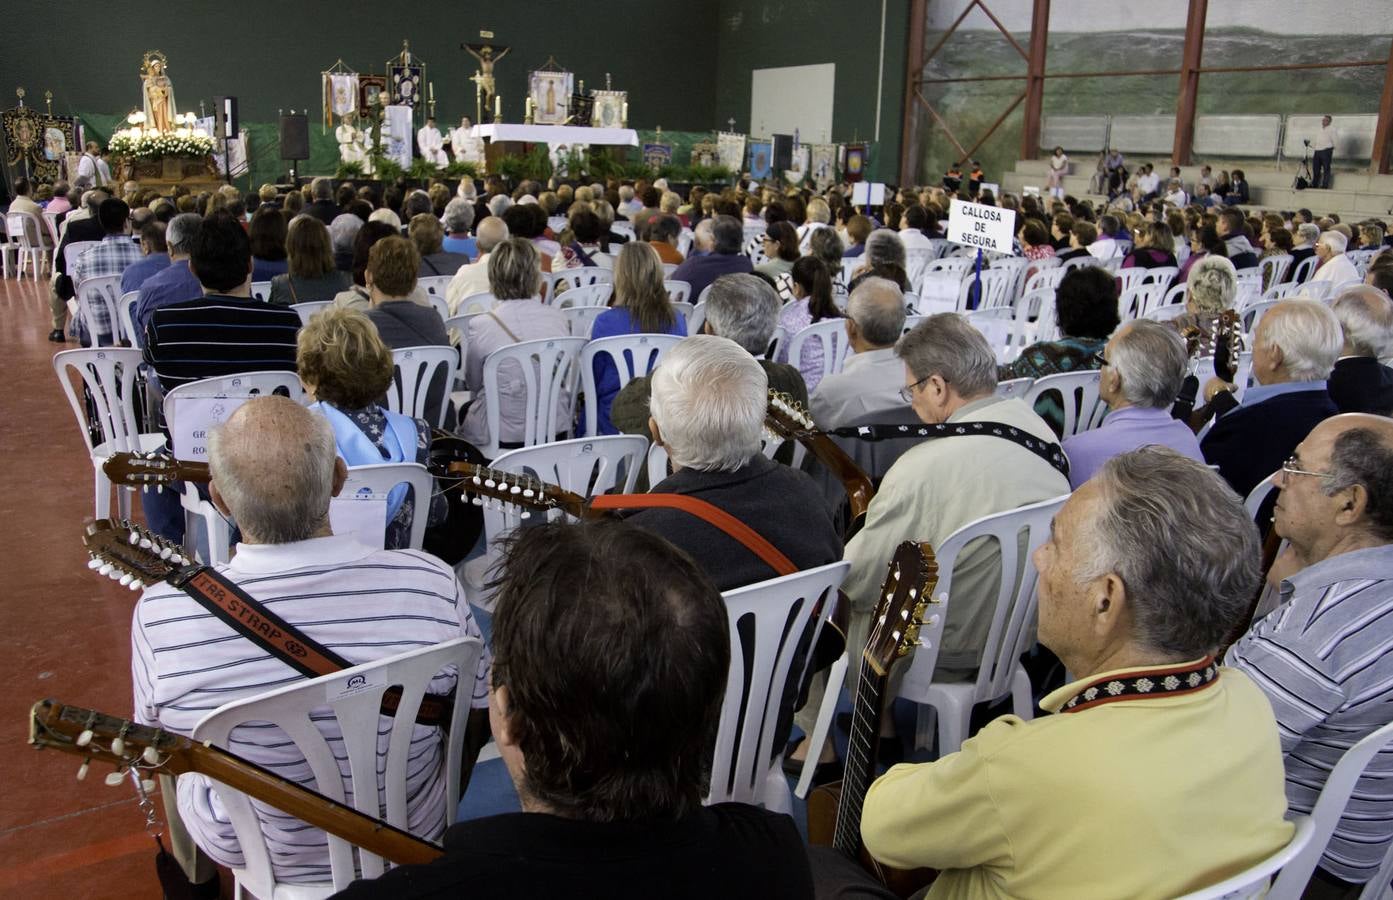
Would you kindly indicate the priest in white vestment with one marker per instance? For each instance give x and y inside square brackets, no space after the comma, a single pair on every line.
[432,144]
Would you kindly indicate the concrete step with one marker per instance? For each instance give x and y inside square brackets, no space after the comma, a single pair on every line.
[1258,176]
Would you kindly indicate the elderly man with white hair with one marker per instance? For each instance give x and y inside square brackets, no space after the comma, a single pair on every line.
[707,410]
[1335,266]
[870,381]
[1294,349]
[1143,366]
[1359,382]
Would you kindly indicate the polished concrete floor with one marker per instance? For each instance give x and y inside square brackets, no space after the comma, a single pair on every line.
[66,635]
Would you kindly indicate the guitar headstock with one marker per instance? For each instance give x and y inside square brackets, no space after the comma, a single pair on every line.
[131,554]
[786,417]
[495,489]
[156,469]
[126,746]
[904,598]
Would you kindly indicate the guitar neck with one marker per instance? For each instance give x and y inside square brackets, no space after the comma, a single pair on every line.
[342,821]
[862,749]
[858,486]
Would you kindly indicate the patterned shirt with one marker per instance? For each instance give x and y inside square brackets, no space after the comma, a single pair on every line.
[110,257]
[1322,657]
[794,319]
[362,603]
[1070,354]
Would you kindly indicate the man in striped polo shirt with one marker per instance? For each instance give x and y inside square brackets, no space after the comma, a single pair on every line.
[274,469]
[1322,656]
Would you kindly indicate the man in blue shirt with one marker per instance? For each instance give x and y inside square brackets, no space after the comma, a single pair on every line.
[175,283]
[155,260]
[725,257]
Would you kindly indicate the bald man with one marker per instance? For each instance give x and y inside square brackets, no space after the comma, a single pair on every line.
[872,377]
[1323,655]
[474,278]
[1359,382]
[274,469]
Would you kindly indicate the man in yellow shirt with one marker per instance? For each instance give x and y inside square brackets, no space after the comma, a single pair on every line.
[1159,772]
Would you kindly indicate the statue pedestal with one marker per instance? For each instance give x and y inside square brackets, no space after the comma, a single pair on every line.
[164,174]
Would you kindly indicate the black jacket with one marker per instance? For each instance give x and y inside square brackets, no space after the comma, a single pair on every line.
[1362,384]
[1252,442]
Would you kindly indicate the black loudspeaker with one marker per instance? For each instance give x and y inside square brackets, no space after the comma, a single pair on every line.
[295,136]
[225,118]
[782,157]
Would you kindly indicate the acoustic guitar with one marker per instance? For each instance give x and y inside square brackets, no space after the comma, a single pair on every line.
[787,419]
[834,810]
[140,752]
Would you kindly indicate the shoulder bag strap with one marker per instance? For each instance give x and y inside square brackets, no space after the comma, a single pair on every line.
[246,616]
[711,515]
[1049,451]
[506,329]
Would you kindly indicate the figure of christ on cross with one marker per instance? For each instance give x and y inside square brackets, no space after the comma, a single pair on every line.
[487,55]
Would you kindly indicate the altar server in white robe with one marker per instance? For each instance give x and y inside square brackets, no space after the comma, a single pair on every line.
[431,144]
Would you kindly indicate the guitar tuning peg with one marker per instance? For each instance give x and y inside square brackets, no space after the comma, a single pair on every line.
[136,584]
[524,514]
[159,488]
[82,769]
[147,785]
[515,490]
[94,563]
[106,569]
[151,756]
[165,553]
[125,579]
[133,537]
[528,492]
[146,544]
[114,779]
[85,738]
[477,500]
[489,482]
[118,747]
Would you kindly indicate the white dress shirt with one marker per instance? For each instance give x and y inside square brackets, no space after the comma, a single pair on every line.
[1325,138]
[868,383]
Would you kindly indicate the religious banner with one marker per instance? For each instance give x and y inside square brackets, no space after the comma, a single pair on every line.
[370,91]
[339,92]
[855,164]
[824,165]
[550,93]
[657,155]
[706,155]
[799,165]
[24,139]
[761,159]
[60,138]
[611,109]
[405,83]
[730,147]
[396,134]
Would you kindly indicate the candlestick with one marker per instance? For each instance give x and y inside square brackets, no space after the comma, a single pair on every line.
[624,114]
[48,101]
[430,86]
[497,107]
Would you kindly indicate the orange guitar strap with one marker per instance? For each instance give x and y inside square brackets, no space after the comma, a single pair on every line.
[711,515]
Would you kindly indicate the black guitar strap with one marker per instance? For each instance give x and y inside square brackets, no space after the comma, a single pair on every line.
[1049,451]
[249,618]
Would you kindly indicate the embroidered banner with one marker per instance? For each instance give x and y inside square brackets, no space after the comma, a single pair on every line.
[730,147]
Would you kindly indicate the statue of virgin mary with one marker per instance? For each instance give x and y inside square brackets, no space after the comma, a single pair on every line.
[158,92]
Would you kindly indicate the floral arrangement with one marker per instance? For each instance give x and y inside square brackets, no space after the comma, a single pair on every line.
[186,141]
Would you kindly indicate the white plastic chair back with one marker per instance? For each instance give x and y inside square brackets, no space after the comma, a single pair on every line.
[438,303]
[1016,534]
[381,478]
[434,285]
[110,375]
[1079,262]
[1287,290]
[678,291]
[1083,409]
[698,318]
[1175,295]
[1048,278]
[1166,312]
[1131,278]
[657,465]
[633,356]
[669,268]
[25,231]
[1136,302]
[916,262]
[1017,266]
[830,334]
[103,290]
[557,224]
[1203,369]
[414,370]
[623,229]
[1305,269]
[549,369]
[684,310]
[357,718]
[996,288]
[1318,290]
[51,223]
[777,341]
[476,304]
[75,249]
[911,321]
[582,318]
[1253,314]
[1339,786]
[1274,268]
[1113,265]
[1035,320]
[307,309]
[767,623]
[588,295]
[574,278]
[1013,387]
[998,325]
[1253,882]
[261,290]
[243,384]
[956,265]
[125,311]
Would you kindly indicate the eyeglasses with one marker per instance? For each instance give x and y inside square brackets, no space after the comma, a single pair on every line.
[1101,360]
[1290,467]
[907,393]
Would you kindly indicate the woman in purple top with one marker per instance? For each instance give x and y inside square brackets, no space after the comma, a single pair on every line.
[812,302]
[641,306]
[1152,249]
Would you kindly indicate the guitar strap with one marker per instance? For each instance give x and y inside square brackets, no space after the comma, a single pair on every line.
[1049,451]
[249,618]
[712,515]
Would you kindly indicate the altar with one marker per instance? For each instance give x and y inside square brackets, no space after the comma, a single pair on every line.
[556,135]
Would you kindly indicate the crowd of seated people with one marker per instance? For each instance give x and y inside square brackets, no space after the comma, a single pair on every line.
[1148,570]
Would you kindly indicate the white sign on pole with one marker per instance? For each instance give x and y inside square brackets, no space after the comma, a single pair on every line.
[981,226]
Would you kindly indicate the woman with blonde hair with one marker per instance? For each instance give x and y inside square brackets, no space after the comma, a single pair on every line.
[311,273]
[640,306]
[347,369]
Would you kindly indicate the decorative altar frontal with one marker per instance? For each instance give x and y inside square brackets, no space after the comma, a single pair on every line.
[554,135]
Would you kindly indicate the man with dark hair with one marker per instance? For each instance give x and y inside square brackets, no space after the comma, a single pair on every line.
[87,228]
[609,809]
[651,198]
[725,257]
[23,204]
[1322,654]
[663,231]
[110,257]
[156,259]
[322,207]
[1240,251]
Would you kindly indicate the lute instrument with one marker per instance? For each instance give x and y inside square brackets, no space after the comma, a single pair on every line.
[139,752]
[834,811]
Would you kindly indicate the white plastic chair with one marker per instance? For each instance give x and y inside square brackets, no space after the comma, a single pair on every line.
[830,334]
[1083,410]
[586,295]
[415,369]
[307,309]
[261,290]
[549,374]
[352,733]
[434,285]
[1330,806]
[678,291]
[582,318]
[1135,302]
[996,288]
[1014,387]
[1317,290]
[1275,268]
[1035,317]
[1166,312]
[25,233]
[111,377]
[1080,262]
[574,278]
[998,325]
[73,250]
[1305,269]
[1131,278]
[767,622]
[125,312]
[1285,291]
[1253,314]
[633,356]
[669,268]
[381,478]
[1046,278]
[916,262]
[103,290]
[1010,634]
[1253,881]
[476,304]
[698,317]
[1259,494]
[438,303]
[684,310]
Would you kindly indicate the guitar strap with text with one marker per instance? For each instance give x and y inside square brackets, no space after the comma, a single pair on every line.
[1049,451]
[249,618]
[712,515]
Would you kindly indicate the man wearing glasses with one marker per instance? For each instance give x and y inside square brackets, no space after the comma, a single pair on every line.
[1322,656]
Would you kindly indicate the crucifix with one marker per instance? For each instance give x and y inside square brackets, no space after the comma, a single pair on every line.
[731,123]
[485,88]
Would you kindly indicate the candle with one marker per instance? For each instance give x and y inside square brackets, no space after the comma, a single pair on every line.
[431,87]
[624,113]
[497,107]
